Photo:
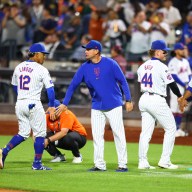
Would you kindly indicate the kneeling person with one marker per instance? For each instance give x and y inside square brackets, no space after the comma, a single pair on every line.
[66,132]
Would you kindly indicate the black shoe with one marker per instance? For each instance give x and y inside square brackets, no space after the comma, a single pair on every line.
[96,169]
[120,169]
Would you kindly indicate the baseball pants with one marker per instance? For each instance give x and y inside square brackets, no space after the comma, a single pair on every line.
[73,141]
[155,107]
[33,118]
[98,121]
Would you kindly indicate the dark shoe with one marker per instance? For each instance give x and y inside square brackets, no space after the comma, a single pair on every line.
[2,159]
[120,169]
[96,169]
[40,167]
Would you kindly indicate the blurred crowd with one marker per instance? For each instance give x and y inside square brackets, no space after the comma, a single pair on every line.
[125,26]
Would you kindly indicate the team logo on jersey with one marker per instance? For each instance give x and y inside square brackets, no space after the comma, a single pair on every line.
[169,77]
[97,72]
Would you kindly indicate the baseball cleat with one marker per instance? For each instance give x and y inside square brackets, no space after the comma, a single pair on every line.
[168,166]
[121,169]
[58,158]
[146,167]
[40,167]
[2,159]
[95,169]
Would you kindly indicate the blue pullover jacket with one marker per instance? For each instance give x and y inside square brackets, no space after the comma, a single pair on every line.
[102,80]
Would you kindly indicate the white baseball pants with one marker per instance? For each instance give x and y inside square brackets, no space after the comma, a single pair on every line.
[28,119]
[98,121]
[155,107]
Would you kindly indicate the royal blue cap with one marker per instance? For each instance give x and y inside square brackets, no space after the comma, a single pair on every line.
[38,47]
[93,44]
[179,46]
[56,103]
[159,45]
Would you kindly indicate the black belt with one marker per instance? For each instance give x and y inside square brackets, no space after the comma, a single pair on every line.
[154,94]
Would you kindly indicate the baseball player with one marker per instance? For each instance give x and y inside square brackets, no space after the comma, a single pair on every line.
[28,79]
[154,77]
[102,76]
[181,73]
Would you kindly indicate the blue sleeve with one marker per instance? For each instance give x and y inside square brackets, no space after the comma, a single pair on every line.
[51,96]
[120,77]
[189,89]
[15,89]
[77,79]
[177,80]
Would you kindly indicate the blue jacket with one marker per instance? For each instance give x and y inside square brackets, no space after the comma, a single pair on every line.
[102,80]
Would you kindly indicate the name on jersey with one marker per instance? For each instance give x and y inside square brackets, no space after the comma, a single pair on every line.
[148,67]
[27,69]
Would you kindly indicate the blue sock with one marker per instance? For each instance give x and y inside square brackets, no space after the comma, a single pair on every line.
[16,140]
[39,148]
[178,119]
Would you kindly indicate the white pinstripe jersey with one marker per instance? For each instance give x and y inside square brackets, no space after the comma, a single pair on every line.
[154,77]
[181,68]
[29,77]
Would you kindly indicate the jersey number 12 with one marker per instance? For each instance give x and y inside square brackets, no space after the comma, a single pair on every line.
[147,80]
[24,81]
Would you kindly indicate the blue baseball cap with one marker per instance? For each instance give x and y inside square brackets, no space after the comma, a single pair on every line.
[56,103]
[93,44]
[38,47]
[179,46]
[159,45]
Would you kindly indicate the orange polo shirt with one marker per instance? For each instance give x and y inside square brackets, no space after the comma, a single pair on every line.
[67,120]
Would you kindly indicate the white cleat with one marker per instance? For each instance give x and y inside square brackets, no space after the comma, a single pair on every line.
[168,166]
[181,133]
[146,167]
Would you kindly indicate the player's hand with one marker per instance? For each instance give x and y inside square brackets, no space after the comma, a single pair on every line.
[60,109]
[182,103]
[51,111]
[129,106]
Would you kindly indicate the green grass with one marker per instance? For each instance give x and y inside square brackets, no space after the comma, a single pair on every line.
[66,177]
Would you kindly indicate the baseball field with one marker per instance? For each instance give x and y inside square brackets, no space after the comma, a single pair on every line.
[18,175]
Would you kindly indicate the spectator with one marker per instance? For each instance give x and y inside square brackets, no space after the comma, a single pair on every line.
[95,26]
[159,29]
[186,37]
[85,7]
[172,17]
[67,133]
[36,12]
[114,30]
[48,26]
[13,25]
[151,7]
[117,55]
[57,48]
[138,30]
[72,32]
[79,53]
[64,18]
